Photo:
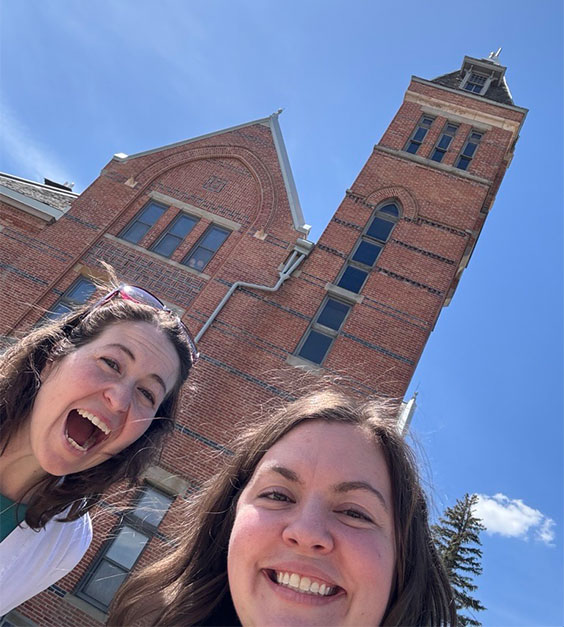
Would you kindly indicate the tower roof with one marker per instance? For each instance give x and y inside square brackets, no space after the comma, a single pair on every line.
[495,85]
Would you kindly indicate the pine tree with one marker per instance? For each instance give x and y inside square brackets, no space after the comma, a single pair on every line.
[457,537]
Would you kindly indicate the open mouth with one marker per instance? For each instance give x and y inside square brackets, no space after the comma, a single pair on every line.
[305,585]
[84,430]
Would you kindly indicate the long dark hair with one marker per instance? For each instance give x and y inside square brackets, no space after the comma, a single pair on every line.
[190,586]
[20,369]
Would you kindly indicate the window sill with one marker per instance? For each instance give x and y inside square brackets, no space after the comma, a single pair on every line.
[166,260]
[303,364]
[350,297]
[85,607]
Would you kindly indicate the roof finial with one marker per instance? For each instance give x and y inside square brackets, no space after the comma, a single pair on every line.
[277,113]
[494,56]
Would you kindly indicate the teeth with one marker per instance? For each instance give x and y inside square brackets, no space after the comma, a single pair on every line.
[75,444]
[303,584]
[95,421]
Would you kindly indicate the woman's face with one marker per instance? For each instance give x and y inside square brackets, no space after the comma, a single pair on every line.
[100,398]
[313,537]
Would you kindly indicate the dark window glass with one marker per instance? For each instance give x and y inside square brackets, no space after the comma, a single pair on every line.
[315,347]
[137,229]
[427,121]
[463,163]
[152,506]
[127,546]
[77,294]
[419,134]
[105,582]
[412,147]
[468,150]
[475,83]
[437,155]
[380,229]
[353,279]
[367,253]
[201,254]
[173,236]
[444,141]
[390,209]
[333,314]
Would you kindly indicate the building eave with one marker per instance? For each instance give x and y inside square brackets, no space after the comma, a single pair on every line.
[29,205]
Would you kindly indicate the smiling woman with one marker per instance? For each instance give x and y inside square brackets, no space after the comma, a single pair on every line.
[85,402]
[317,519]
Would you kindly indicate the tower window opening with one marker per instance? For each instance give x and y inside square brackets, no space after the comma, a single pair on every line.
[475,83]
[444,142]
[418,134]
[469,150]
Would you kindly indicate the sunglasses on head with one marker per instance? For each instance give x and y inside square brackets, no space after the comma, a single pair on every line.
[143,297]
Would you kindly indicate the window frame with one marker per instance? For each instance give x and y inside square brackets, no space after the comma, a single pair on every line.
[322,329]
[444,133]
[461,155]
[168,228]
[66,301]
[136,219]
[198,244]
[370,239]
[419,126]
[128,519]
[470,74]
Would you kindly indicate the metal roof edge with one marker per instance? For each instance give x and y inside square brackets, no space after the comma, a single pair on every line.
[289,182]
[63,192]
[30,205]
[120,156]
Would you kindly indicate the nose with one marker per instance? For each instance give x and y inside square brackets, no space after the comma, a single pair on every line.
[308,530]
[118,397]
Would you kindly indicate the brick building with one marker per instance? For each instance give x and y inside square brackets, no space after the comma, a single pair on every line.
[213,225]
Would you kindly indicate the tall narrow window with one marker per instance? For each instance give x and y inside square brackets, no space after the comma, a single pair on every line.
[469,150]
[199,257]
[118,556]
[171,237]
[323,330]
[77,294]
[475,83]
[444,142]
[368,248]
[419,133]
[136,230]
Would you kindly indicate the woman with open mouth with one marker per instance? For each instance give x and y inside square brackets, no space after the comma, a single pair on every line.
[317,519]
[85,402]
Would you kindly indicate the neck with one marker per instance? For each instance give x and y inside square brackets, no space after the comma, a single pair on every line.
[19,470]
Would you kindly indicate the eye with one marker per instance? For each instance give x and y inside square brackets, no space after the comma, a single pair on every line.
[148,395]
[275,495]
[111,363]
[355,515]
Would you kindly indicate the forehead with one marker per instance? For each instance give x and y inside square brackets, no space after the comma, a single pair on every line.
[340,452]
[152,350]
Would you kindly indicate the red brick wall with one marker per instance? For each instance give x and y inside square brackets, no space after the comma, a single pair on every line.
[244,352]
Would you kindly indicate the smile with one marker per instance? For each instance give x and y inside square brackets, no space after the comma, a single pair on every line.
[302,584]
[83,430]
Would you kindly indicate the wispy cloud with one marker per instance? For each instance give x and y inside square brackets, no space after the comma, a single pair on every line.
[26,156]
[513,519]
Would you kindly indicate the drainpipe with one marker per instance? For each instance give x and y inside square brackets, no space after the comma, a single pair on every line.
[300,252]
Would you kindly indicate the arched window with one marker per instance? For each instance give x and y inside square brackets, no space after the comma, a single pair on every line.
[369,246]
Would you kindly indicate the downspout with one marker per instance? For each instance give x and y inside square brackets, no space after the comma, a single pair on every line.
[300,252]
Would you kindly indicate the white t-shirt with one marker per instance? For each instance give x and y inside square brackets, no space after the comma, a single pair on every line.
[30,561]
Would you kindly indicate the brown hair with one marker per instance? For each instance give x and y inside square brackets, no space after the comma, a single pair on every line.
[20,369]
[190,586]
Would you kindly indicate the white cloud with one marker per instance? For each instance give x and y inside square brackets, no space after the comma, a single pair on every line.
[512,518]
[32,160]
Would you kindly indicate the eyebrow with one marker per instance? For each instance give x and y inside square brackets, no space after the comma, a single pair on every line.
[344,486]
[131,356]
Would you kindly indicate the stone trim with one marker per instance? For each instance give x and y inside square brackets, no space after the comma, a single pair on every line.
[85,607]
[303,364]
[166,481]
[350,297]
[195,211]
[30,205]
[429,163]
[170,262]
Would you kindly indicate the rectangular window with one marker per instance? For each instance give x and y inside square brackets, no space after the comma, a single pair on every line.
[173,235]
[199,257]
[419,133]
[475,83]
[119,555]
[444,142]
[77,294]
[324,329]
[469,150]
[136,230]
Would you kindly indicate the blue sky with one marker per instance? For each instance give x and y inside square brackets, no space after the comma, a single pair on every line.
[81,81]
